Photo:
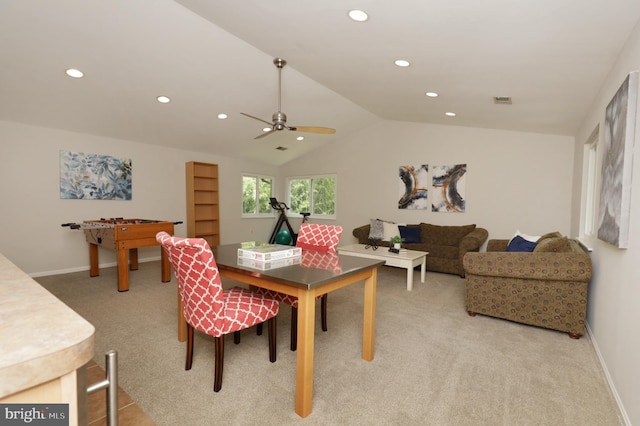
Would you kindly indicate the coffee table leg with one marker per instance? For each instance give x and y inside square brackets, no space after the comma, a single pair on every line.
[409,278]
[423,268]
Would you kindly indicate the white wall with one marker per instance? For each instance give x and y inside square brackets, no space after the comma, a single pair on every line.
[614,293]
[514,180]
[31,210]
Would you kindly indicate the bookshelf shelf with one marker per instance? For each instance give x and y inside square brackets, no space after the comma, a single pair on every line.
[203,218]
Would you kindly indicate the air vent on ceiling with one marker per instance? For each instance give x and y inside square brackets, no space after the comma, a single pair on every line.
[282,148]
[502,100]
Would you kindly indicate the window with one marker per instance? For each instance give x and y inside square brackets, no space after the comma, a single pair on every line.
[590,170]
[256,191]
[316,195]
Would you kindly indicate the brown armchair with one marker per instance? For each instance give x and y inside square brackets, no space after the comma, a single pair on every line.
[546,288]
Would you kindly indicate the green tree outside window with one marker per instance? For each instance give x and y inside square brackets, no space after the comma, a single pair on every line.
[316,195]
[256,191]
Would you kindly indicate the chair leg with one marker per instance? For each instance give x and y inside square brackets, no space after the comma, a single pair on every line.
[217,383]
[189,361]
[271,330]
[259,329]
[236,337]
[294,328]
[323,311]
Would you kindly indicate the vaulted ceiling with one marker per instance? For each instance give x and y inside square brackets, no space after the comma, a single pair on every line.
[210,57]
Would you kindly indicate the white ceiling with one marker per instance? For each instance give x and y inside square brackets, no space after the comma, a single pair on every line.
[213,56]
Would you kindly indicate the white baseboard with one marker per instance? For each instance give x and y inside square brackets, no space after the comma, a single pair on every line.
[612,387]
[86,268]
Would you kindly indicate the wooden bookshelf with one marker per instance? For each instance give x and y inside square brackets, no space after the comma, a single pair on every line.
[203,217]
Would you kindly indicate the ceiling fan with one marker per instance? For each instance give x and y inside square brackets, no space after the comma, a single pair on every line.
[279,119]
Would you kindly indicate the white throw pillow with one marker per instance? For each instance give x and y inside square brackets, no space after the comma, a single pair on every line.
[391,230]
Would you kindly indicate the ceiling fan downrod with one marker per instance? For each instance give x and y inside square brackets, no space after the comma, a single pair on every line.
[279,118]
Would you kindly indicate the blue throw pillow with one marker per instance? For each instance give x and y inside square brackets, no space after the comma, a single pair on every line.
[410,234]
[520,244]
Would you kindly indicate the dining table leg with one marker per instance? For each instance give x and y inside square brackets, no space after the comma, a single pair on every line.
[304,364]
[369,320]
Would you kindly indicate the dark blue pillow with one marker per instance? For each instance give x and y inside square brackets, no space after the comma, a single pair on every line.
[410,234]
[520,244]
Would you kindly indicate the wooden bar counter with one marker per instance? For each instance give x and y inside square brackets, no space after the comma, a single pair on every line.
[43,343]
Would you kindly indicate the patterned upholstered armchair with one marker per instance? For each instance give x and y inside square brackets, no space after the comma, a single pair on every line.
[210,309]
[545,288]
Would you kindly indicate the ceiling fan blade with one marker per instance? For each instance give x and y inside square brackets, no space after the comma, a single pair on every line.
[264,134]
[322,130]
[256,118]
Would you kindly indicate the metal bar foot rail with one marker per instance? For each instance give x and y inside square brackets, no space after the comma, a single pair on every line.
[110,383]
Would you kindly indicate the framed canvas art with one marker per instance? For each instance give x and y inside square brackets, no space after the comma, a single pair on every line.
[449,188]
[413,187]
[94,177]
[618,140]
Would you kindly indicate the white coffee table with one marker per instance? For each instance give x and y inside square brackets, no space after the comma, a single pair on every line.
[408,259]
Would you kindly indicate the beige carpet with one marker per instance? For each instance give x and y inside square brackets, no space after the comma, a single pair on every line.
[434,365]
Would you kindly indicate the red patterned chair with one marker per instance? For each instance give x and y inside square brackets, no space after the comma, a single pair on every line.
[319,238]
[210,309]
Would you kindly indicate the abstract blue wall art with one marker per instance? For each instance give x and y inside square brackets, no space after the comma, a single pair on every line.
[94,177]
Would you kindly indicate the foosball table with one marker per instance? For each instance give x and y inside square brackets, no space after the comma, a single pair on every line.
[125,236]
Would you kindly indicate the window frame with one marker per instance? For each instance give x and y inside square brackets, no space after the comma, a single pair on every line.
[312,178]
[590,176]
[257,177]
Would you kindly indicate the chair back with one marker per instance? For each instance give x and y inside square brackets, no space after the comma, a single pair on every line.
[321,260]
[318,237]
[199,281]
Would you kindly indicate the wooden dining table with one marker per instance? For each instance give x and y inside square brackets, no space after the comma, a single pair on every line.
[316,274]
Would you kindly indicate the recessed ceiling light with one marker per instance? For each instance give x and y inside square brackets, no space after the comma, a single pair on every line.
[266,129]
[432,94]
[72,72]
[222,116]
[163,99]
[358,15]
[402,63]
[450,114]
[300,138]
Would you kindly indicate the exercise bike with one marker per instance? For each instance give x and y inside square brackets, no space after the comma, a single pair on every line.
[284,220]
